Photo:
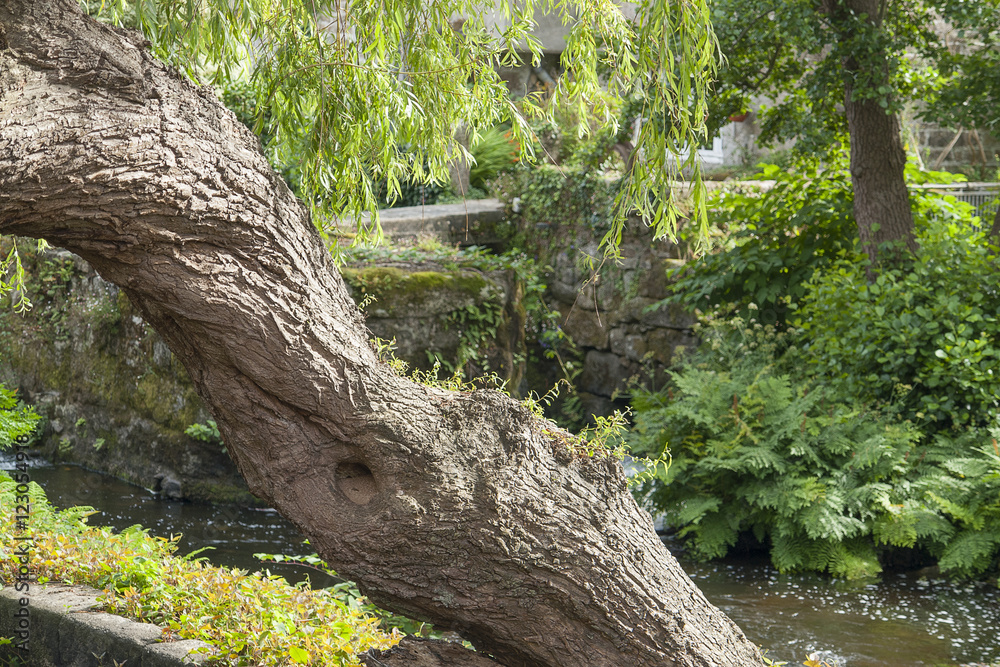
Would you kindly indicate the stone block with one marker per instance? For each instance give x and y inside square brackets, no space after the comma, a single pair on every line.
[671,316]
[610,293]
[564,269]
[586,297]
[662,344]
[465,222]
[563,293]
[586,330]
[171,654]
[632,346]
[67,630]
[603,372]
[592,406]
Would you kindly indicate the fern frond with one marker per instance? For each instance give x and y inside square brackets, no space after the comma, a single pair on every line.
[855,559]
[970,553]
[898,530]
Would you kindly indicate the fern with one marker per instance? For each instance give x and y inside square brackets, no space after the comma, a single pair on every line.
[854,559]
[693,510]
[825,480]
[716,533]
[895,528]
[932,529]
[967,467]
[970,553]
[16,419]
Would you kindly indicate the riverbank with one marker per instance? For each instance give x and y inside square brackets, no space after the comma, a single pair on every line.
[904,620]
[246,618]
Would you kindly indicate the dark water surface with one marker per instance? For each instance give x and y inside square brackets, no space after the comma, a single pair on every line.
[232,534]
[900,621]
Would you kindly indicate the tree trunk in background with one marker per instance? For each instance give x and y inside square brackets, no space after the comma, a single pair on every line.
[881,201]
[461,509]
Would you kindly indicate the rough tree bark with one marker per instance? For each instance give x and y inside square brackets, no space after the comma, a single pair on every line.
[456,508]
[881,201]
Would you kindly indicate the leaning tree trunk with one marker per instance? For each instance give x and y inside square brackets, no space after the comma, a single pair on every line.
[459,508]
[881,201]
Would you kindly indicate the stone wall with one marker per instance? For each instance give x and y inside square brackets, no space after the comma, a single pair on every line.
[617,335]
[468,319]
[63,625]
[609,312]
[957,149]
[114,398]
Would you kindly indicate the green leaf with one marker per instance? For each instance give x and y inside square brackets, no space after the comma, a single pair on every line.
[298,655]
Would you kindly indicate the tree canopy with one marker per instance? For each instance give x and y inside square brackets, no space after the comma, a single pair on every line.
[350,99]
[940,53]
[354,92]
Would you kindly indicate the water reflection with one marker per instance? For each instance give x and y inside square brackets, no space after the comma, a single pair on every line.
[902,621]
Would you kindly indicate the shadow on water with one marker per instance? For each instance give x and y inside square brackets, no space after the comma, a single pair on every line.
[901,621]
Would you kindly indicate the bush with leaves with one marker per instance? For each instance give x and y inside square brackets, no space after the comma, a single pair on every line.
[551,195]
[778,238]
[827,482]
[248,619]
[949,502]
[16,419]
[494,152]
[861,423]
[927,333]
[755,449]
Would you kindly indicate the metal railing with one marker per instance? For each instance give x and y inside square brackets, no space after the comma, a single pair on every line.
[984,197]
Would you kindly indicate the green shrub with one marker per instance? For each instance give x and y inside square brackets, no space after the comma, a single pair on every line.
[551,195]
[248,619]
[862,423]
[207,432]
[494,152]
[826,482]
[777,239]
[16,419]
[755,449]
[926,335]
[949,503]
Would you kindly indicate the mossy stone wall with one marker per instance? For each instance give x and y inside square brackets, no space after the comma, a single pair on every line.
[606,306]
[465,318]
[113,396]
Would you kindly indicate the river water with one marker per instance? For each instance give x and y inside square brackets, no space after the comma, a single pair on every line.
[899,621]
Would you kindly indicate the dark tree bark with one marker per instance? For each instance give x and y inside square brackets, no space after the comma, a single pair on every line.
[881,201]
[462,509]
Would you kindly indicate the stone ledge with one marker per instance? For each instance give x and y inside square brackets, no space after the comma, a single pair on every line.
[67,629]
[463,223]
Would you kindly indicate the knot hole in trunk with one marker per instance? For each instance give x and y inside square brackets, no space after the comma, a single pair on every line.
[356,482]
